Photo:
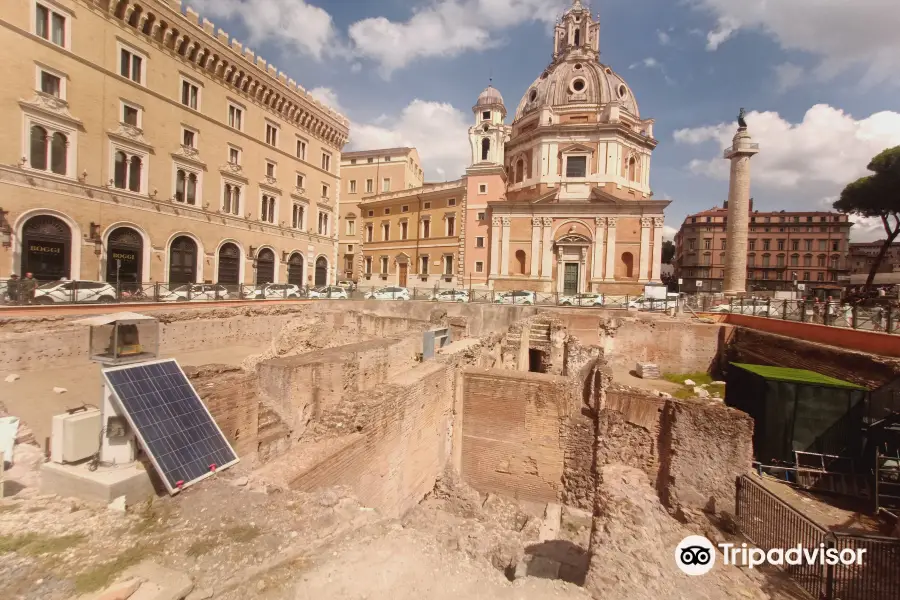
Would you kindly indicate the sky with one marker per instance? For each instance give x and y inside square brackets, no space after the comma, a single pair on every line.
[820,80]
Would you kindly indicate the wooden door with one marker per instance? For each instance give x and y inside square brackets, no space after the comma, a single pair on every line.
[403,268]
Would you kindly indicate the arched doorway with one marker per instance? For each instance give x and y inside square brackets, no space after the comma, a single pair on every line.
[183,260]
[265,267]
[46,248]
[520,262]
[295,269]
[229,264]
[321,271]
[124,257]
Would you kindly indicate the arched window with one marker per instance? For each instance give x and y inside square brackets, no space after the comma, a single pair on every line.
[295,269]
[134,174]
[795,260]
[127,171]
[520,262]
[577,37]
[265,267]
[58,153]
[485,148]
[297,217]
[229,264]
[183,260]
[231,199]
[267,213]
[321,271]
[632,169]
[186,187]
[38,148]
[520,170]
[628,263]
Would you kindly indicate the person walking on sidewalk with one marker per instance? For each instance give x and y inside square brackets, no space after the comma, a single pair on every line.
[12,289]
[26,289]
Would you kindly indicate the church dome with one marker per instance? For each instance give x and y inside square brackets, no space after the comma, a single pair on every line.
[489,97]
[574,81]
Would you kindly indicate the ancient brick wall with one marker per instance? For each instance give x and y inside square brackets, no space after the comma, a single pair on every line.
[230,395]
[579,477]
[513,440]
[762,348]
[400,441]
[628,431]
[676,346]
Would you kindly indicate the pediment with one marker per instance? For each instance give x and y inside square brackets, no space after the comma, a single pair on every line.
[573,239]
[576,148]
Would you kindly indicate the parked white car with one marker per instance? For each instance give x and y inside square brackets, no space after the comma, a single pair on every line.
[516,297]
[586,299]
[452,296]
[59,292]
[332,292]
[389,293]
[277,291]
[195,293]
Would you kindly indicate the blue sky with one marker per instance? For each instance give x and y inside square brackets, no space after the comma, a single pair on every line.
[820,79]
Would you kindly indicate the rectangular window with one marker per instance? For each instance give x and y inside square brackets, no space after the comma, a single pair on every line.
[51,84]
[404,208]
[371,213]
[190,95]
[386,232]
[820,261]
[301,181]
[836,246]
[50,25]
[822,245]
[271,135]
[766,244]
[723,244]
[820,276]
[707,244]
[368,263]
[426,229]
[448,265]
[479,242]
[404,230]
[350,248]
[234,156]
[486,115]
[451,226]
[386,185]
[324,190]
[795,245]
[301,149]
[480,216]
[370,186]
[351,227]
[297,217]
[423,265]
[451,202]
[235,117]
[371,160]
[479,267]
[387,211]
[188,138]
[692,244]
[751,261]
[352,186]
[780,261]
[326,161]
[482,188]
[795,261]
[131,65]
[426,205]
[369,232]
[781,244]
[270,169]
[384,265]
[806,276]
[576,166]
[765,260]
[807,261]
[131,115]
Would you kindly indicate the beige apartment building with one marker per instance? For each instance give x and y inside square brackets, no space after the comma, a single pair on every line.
[365,174]
[412,238]
[144,145]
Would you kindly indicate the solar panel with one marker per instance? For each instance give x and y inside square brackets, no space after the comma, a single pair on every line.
[171,422]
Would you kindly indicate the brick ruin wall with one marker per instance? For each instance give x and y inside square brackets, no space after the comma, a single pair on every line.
[512,442]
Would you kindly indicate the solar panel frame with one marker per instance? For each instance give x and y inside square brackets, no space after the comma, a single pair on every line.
[121,407]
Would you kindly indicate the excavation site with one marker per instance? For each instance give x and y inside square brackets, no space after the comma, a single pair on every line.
[387,450]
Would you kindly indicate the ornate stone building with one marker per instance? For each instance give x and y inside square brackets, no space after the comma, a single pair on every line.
[144,145]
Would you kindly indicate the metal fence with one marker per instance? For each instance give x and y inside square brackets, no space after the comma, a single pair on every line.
[769,522]
[88,292]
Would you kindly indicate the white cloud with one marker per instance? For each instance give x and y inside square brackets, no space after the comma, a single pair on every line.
[800,165]
[844,34]
[328,97]
[788,75]
[355,68]
[438,130]
[445,28]
[664,38]
[649,62]
[294,23]
[669,232]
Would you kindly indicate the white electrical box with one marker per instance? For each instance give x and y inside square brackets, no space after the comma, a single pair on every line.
[75,436]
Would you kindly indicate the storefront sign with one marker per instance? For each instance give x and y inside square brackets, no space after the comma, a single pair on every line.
[44,249]
[123,256]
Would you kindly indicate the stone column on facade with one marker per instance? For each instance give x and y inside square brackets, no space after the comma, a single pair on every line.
[739,154]
[582,271]
[560,271]
[535,245]
[547,249]
[610,249]
[599,232]
[504,248]
[655,272]
[495,245]
[643,271]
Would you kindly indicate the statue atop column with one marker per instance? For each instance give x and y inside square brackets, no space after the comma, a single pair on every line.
[742,123]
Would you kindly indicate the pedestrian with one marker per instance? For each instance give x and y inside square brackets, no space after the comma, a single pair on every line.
[830,310]
[26,289]
[12,289]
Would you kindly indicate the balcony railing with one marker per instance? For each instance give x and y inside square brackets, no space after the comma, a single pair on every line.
[738,147]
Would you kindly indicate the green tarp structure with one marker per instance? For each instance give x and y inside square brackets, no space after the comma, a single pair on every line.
[795,409]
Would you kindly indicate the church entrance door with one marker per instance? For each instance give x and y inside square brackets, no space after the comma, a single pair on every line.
[402,268]
[570,282]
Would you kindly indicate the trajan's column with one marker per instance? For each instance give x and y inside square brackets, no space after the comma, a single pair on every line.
[739,154]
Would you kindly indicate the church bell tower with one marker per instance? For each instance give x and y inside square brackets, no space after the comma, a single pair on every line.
[489,134]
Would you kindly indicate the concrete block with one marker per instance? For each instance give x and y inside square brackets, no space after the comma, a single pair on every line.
[543,567]
[99,487]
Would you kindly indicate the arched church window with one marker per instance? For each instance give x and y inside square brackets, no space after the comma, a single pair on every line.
[577,37]
[485,148]
[632,169]
[520,170]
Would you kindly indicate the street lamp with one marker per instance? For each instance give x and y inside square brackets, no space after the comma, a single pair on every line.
[95,237]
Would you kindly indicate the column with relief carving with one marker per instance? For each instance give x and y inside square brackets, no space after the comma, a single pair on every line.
[643,271]
[599,233]
[610,249]
[535,245]
[657,249]
[547,249]
[504,248]
[495,245]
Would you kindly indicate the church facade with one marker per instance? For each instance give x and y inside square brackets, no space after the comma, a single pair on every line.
[558,201]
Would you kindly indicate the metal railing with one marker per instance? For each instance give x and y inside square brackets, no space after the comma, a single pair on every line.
[88,292]
[769,522]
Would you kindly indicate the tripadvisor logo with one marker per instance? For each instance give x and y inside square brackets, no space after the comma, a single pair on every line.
[696,555]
